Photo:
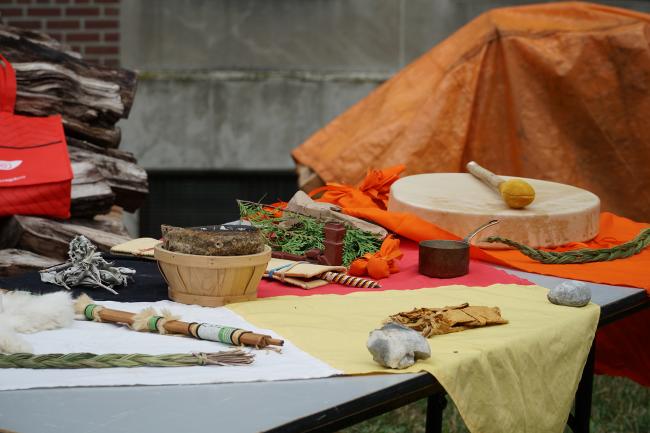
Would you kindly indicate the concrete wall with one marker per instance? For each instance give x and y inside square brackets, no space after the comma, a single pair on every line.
[242,120]
[239,83]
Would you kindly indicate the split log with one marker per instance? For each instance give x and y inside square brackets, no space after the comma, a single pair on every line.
[91,194]
[51,238]
[90,98]
[111,222]
[15,262]
[9,236]
[40,39]
[127,180]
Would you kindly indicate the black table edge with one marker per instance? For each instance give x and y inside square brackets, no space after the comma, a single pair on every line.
[366,407]
[623,307]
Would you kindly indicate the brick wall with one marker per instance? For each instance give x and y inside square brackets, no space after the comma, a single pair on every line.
[90,27]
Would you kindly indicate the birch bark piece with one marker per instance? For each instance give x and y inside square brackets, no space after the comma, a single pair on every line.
[458,203]
[303,204]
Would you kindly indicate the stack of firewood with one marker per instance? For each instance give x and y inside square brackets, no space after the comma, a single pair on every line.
[91,99]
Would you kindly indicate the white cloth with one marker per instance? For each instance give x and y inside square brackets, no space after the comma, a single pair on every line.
[100,338]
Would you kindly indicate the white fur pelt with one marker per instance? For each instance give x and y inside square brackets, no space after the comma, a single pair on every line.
[23,312]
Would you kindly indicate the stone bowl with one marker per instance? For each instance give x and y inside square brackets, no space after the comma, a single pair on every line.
[211,281]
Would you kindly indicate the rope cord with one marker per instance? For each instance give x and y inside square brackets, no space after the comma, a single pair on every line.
[627,249]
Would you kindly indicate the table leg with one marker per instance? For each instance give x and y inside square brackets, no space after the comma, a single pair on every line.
[582,412]
[436,404]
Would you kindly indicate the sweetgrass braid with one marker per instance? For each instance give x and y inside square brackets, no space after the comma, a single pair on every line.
[111,360]
[580,256]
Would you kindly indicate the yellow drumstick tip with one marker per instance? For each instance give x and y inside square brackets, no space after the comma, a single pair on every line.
[517,193]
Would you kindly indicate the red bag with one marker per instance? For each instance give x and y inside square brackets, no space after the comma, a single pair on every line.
[35,172]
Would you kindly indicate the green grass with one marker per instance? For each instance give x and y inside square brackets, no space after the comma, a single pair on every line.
[619,406]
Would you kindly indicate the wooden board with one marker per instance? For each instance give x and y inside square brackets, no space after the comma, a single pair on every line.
[458,203]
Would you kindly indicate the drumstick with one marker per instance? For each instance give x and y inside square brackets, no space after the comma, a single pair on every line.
[517,193]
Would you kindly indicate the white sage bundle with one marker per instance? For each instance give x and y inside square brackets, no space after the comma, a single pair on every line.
[86,267]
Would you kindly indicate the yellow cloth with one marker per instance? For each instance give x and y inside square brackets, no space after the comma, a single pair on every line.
[518,377]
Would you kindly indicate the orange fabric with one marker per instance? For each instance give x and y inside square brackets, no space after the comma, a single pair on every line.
[614,230]
[372,191]
[380,264]
[342,195]
[551,91]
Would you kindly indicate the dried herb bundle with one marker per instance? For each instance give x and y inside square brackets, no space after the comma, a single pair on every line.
[294,233]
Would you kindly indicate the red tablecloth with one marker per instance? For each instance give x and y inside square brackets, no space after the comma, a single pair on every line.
[480,274]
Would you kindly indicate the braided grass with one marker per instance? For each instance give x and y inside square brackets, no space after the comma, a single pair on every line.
[635,246]
[111,360]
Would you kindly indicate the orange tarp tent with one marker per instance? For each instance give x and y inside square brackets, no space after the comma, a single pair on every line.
[555,91]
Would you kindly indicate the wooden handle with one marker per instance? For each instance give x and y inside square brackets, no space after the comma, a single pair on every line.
[178,327]
[486,176]
[116,316]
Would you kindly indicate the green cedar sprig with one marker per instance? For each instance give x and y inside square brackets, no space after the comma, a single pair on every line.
[295,233]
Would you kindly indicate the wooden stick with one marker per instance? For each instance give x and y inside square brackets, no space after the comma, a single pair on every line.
[85,305]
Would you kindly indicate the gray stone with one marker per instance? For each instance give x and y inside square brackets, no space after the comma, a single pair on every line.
[570,293]
[396,346]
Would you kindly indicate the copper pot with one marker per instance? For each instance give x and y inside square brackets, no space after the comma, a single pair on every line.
[446,258]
